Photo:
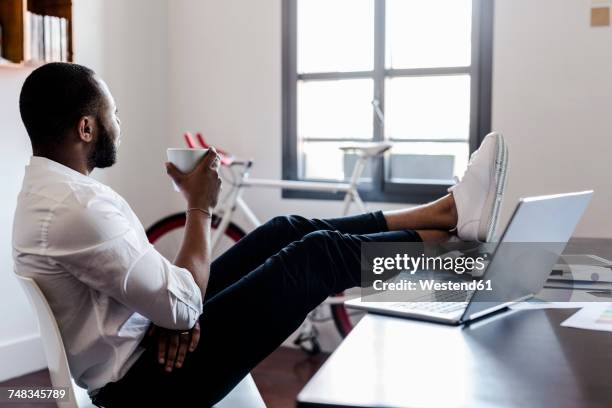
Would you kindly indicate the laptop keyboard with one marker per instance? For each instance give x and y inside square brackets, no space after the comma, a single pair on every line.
[446,302]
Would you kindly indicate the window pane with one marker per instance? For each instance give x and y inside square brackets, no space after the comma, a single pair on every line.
[325,161]
[321,160]
[335,35]
[416,162]
[335,109]
[435,107]
[428,33]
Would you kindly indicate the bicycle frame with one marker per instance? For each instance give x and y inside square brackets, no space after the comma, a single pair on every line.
[240,173]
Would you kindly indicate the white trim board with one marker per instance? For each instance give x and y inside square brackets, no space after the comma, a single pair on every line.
[21,356]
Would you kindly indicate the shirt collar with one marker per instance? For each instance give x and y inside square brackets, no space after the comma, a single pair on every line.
[51,165]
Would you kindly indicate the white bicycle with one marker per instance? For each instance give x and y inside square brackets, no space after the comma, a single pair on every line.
[166,233]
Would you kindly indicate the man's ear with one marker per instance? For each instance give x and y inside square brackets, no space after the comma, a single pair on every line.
[86,128]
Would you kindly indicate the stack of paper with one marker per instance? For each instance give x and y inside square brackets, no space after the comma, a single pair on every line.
[585,272]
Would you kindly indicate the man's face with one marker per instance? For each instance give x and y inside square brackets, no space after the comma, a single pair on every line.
[108,135]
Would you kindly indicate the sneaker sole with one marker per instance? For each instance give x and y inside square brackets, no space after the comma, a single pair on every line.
[488,222]
[499,196]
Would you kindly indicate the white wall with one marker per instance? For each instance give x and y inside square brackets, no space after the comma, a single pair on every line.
[552,97]
[135,67]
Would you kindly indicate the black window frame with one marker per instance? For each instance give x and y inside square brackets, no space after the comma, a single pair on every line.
[381,190]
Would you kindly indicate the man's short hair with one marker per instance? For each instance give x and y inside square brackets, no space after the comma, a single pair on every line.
[53,99]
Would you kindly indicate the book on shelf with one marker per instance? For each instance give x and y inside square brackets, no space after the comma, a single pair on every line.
[47,38]
[63,27]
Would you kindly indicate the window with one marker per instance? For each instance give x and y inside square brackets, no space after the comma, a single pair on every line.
[413,72]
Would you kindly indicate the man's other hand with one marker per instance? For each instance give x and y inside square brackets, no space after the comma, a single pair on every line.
[172,345]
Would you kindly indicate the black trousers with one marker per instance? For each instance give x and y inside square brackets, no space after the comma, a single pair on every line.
[259,292]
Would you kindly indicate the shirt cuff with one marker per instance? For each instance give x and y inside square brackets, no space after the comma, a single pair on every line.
[182,285]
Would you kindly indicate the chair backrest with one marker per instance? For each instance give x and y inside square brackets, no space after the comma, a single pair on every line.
[54,347]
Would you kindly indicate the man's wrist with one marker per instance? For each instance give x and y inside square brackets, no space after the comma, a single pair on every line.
[199,210]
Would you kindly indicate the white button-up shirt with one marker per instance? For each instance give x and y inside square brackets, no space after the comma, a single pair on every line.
[86,249]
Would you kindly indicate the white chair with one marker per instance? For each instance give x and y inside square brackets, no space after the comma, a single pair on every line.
[244,395]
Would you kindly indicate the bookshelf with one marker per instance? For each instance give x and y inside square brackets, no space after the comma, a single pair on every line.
[16,29]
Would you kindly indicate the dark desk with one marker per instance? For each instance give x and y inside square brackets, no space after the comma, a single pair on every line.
[514,359]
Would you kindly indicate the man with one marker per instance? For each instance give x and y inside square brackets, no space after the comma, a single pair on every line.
[210,321]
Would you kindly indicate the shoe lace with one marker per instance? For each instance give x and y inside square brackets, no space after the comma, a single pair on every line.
[472,157]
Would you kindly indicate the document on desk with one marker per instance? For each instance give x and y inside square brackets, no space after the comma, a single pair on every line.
[596,316]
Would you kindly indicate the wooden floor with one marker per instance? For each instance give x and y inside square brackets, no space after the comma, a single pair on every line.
[279,378]
[282,375]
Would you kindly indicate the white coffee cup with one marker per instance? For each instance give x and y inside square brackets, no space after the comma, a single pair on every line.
[184,159]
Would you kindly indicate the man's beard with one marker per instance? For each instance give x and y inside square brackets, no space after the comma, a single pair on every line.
[104,153]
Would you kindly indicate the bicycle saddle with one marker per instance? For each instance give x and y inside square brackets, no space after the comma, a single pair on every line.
[367,149]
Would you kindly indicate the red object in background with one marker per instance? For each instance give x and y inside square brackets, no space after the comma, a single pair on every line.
[207,146]
[189,140]
[226,158]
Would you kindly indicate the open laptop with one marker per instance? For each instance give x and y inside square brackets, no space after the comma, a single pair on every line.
[543,223]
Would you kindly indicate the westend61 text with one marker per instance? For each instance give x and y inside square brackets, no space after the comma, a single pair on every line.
[432,284]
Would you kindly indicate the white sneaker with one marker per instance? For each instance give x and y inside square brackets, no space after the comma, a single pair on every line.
[479,194]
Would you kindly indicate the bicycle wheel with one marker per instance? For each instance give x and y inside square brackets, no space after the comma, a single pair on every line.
[342,319]
[166,235]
